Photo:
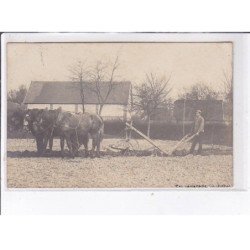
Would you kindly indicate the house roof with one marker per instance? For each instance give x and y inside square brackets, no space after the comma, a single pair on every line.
[44,92]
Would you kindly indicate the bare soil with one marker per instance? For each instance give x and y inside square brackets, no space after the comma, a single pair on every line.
[140,166]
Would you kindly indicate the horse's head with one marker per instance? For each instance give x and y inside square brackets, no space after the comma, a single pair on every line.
[59,117]
[33,120]
[45,120]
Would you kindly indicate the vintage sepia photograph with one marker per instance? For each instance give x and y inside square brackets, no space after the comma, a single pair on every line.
[119,114]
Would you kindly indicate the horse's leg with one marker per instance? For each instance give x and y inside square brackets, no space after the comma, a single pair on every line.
[98,144]
[69,144]
[62,146]
[94,144]
[99,139]
[85,143]
[45,143]
[51,143]
[38,145]
[75,144]
[75,148]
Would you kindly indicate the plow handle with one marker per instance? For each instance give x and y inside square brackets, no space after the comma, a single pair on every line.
[186,138]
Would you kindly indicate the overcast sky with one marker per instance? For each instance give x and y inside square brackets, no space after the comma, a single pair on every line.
[188,63]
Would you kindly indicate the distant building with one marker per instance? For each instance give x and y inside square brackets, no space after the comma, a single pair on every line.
[51,95]
[214,111]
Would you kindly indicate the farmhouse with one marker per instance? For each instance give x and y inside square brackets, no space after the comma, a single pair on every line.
[44,94]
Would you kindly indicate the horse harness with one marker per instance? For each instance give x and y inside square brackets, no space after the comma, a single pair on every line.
[53,126]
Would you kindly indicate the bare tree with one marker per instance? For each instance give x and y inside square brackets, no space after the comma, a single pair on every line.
[79,73]
[148,96]
[103,73]
[97,75]
[199,91]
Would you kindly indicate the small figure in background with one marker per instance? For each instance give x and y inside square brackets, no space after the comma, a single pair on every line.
[198,131]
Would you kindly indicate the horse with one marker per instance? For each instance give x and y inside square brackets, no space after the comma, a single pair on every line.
[47,124]
[32,123]
[74,127]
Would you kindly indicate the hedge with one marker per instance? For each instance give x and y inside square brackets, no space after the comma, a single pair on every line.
[214,133]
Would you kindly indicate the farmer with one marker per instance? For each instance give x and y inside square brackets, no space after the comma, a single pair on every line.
[197,131]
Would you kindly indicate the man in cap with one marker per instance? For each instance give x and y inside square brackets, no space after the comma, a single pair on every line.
[197,130]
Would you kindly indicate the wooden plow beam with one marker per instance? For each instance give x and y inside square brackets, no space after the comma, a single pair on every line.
[146,138]
[185,139]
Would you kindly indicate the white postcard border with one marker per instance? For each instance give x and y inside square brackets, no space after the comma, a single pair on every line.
[141,201]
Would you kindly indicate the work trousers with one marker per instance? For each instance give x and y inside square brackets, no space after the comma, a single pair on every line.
[197,140]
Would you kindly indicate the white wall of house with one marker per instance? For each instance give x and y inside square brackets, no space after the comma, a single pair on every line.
[38,106]
[112,110]
[109,111]
[91,108]
[66,107]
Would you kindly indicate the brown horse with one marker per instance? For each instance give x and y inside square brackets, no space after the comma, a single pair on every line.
[73,128]
[18,116]
[32,123]
[41,123]
[77,127]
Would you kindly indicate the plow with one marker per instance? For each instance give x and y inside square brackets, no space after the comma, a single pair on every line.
[130,146]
